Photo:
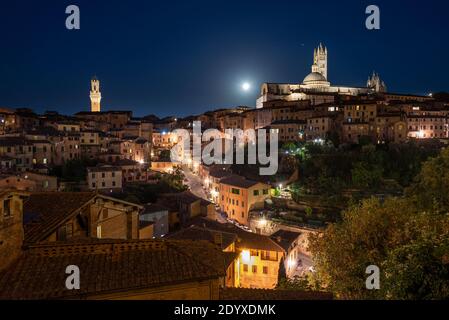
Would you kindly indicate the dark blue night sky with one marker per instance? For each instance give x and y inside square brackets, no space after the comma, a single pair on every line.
[186,57]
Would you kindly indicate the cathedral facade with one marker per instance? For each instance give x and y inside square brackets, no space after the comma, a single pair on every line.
[316,86]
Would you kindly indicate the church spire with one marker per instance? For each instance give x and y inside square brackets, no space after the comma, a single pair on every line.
[375,83]
[320,60]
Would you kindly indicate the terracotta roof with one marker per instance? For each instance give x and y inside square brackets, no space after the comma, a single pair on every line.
[200,233]
[37,141]
[140,140]
[5,192]
[287,122]
[168,200]
[238,181]
[219,174]
[260,294]
[246,240]
[285,238]
[13,141]
[187,197]
[104,168]
[144,224]
[125,162]
[205,203]
[109,266]
[152,208]
[44,212]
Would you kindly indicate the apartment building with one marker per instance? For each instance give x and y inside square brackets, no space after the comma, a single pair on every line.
[56,216]
[20,149]
[289,130]
[319,127]
[238,196]
[104,177]
[256,257]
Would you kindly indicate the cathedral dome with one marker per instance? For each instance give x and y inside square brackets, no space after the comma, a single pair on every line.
[315,80]
[313,77]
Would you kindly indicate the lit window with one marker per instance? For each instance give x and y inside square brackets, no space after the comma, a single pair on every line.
[99,232]
[7,208]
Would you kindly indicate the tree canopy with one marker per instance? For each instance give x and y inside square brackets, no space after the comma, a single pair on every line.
[407,238]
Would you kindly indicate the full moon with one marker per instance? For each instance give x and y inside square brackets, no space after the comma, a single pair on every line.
[246,86]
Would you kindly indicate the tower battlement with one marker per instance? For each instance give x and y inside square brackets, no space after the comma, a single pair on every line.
[95,95]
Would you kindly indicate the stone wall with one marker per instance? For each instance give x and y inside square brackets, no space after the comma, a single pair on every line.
[11,229]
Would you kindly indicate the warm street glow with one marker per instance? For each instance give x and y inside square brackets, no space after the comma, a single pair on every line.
[291,263]
[246,256]
[421,134]
[220,161]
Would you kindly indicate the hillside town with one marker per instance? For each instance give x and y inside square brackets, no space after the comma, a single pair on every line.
[99,190]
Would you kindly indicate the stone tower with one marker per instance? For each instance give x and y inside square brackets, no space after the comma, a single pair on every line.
[374,82]
[320,60]
[95,95]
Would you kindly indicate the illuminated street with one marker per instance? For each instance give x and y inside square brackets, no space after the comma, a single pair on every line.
[195,184]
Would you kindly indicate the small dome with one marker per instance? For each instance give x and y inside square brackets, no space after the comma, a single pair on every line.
[314,76]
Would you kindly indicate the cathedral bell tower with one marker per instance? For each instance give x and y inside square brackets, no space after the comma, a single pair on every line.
[95,95]
[376,84]
[320,60]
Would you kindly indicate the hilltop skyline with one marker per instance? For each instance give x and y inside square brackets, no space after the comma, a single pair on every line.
[181,59]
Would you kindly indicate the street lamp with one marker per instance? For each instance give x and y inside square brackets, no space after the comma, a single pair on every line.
[291,263]
[246,256]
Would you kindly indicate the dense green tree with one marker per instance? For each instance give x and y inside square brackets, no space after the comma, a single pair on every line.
[165,155]
[431,189]
[297,283]
[73,170]
[282,274]
[419,270]
[407,245]
[366,176]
